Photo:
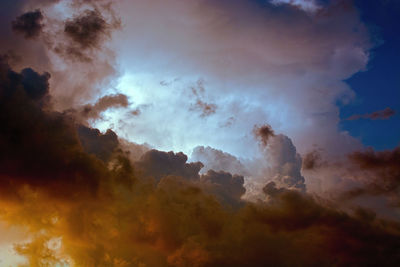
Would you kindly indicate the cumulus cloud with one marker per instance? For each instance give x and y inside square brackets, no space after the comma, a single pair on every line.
[285,163]
[217,160]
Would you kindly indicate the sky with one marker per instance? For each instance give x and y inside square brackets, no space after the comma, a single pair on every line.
[378,87]
[199,133]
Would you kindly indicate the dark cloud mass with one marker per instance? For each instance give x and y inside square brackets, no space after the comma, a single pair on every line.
[379,172]
[86,33]
[225,185]
[376,115]
[157,164]
[87,29]
[29,24]
[62,180]
[94,142]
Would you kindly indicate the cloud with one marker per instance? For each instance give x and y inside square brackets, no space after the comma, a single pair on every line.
[29,24]
[83,197]
[379,173]
[94,142]
[79,207]
[85,34]
[86,29]
[109,101]
[40,146]
[376,115]
[307,5]
[157,164]
[227,187]
[285,163]
[312,160]
[263,133]
[217,160]
[205,109]
[259,61]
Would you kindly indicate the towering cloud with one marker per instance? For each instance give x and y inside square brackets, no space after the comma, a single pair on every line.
[285,163]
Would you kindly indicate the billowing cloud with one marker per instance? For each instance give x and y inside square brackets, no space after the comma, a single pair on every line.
[157,164]
[256,61]
[285,163]
[227,187]
[94,142]
[214,159]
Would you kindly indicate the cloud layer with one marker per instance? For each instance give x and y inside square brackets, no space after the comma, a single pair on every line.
[206,76]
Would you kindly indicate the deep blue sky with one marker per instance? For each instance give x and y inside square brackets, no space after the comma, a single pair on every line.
[379,86]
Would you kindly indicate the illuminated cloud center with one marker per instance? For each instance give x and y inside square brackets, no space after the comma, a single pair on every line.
[308,5]
[210,74]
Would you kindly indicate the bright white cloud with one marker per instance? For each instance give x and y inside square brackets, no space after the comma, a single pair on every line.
[258,66]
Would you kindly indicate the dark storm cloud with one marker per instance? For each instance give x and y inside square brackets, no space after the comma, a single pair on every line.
[263,133]
[33,84]
[379,171]
[377,115]
[29,24]
[94,142]
[227,187]
[157,164]
[40,147]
